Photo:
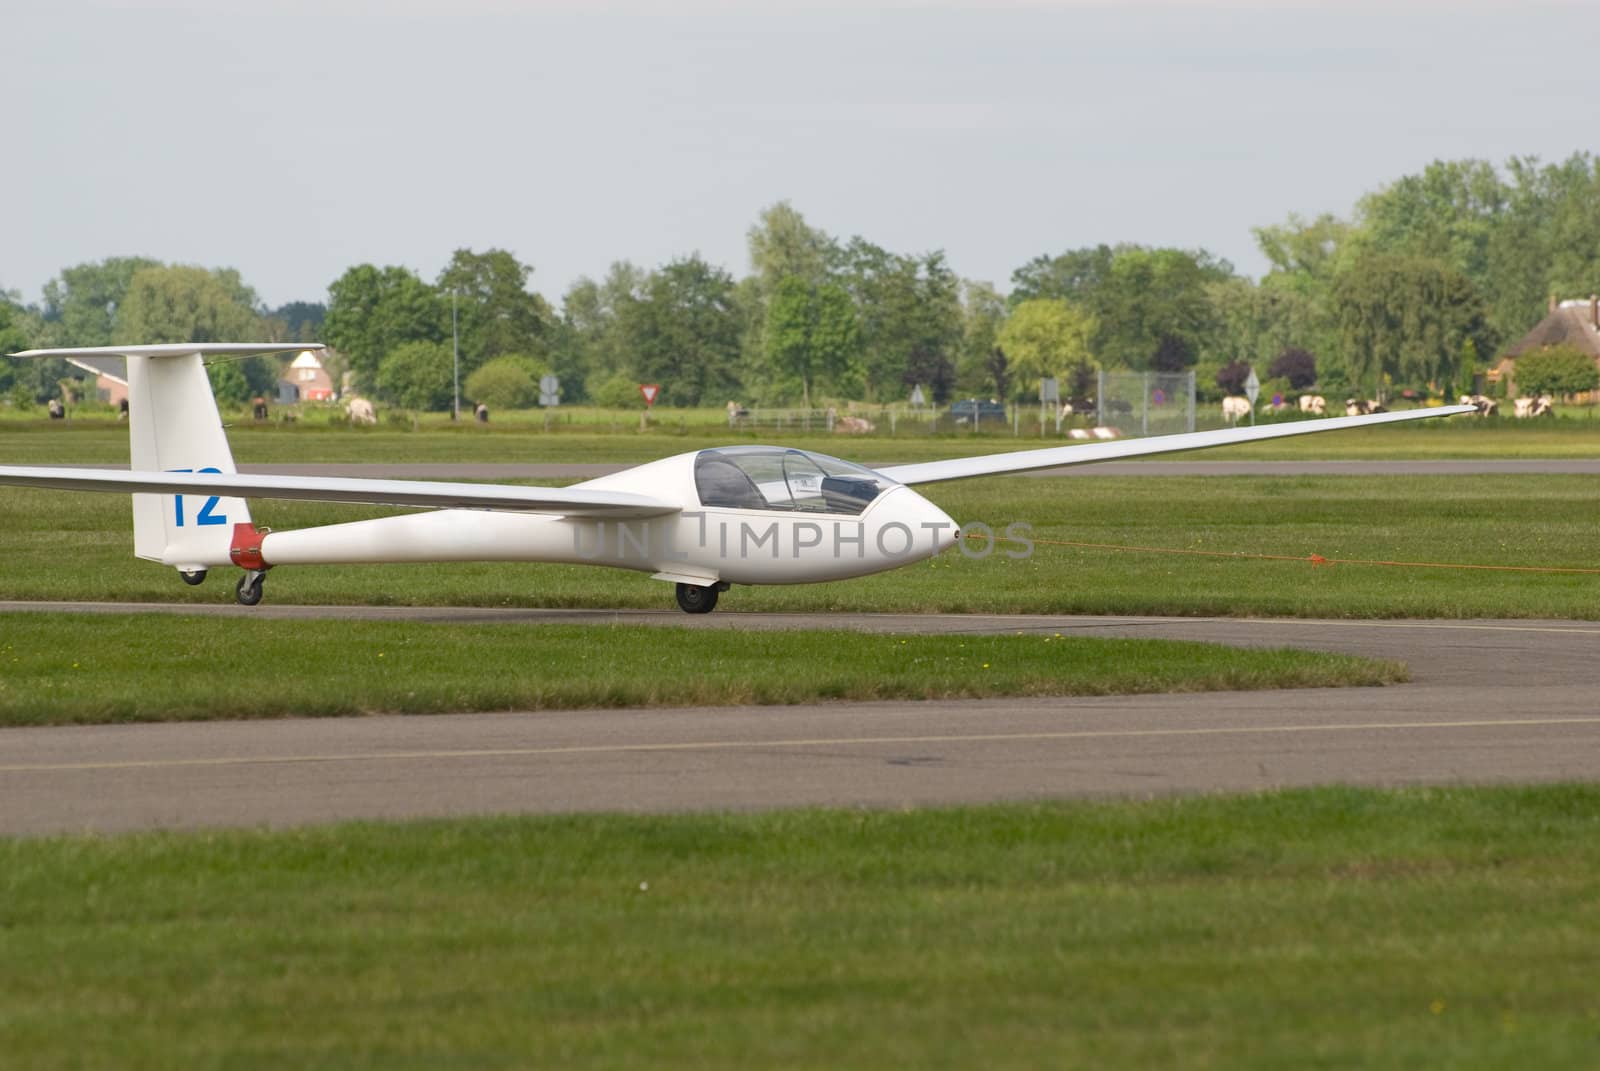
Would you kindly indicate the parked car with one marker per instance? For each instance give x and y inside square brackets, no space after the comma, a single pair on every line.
[977,409]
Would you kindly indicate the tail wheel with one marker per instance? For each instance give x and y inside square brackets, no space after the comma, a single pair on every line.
[193,577]
[696,600]
[248,590]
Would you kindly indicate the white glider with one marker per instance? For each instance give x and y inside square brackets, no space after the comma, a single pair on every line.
[702,520]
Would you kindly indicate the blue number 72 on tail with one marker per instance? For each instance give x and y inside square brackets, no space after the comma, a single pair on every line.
[205,516]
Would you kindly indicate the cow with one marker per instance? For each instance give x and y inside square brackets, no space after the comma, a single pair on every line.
[1486,406]
[1362,407]
[1314,404]
[1543,405]
[1233,408]
[360,411]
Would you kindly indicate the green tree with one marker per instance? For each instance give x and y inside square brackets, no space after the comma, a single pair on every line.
[1153,294]
[589,346]
[684,332]
[81,303]
[1292,305]
[497,314]
[182,303]
[1446,214]
[12,339]
[999,368]
[1519,237]
[812,334]
[506,383]
[618,391]
[759,380]
[1173,354]
[229,383]
[14,333]
[783,246]
[1558,370]
[1547,241]
[1572,190]
[1076,275]
[1045,338]
[22,328]
[931,367]
[296,321]
[910,314]
[1406,318]
[417,375]
[372,311]
[1304,250]
[983,313]
[1256,322]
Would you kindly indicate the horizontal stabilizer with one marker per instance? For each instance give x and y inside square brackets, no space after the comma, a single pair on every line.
[565,501]
[1057,456]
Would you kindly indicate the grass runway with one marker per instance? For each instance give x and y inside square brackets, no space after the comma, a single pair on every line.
[1322,928]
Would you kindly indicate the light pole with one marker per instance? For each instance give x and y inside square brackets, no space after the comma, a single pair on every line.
[455,361]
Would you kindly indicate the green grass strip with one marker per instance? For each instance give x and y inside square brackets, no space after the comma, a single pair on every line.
[1324,928]
[69,668]
[33,440]
[59,545]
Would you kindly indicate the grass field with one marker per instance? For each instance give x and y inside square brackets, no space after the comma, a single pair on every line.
[41,442]
[77,668]
[56,545]
[1327,928]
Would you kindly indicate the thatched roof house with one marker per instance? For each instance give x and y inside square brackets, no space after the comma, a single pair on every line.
[1572,323]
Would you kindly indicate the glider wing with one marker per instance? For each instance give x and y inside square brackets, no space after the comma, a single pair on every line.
[1057,456]
[565,501]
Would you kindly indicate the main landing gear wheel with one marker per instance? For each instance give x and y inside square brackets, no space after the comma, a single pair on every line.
[248,590]
[193,577]
[696,600]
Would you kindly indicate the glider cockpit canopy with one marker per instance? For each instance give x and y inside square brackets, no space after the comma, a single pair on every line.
[776,478]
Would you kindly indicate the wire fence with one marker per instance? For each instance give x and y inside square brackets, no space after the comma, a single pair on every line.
[1145,403]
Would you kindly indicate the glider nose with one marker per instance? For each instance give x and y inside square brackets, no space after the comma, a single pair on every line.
[933,524]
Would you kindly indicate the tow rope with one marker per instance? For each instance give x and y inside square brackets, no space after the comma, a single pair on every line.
[1313,560]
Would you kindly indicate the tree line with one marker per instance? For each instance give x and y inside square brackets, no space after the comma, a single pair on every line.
[1419,288]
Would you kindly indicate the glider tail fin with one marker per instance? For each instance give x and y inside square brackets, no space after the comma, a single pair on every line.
[174,426]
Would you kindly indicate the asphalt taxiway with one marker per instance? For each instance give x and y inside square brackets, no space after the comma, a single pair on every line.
[1490,701]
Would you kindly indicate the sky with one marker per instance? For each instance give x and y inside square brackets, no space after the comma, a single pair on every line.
[292,139]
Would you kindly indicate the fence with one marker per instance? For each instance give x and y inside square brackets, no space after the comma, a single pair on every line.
[784,419]
[1145,403]
[887,419]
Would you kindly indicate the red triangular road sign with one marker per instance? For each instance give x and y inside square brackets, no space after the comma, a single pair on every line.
[649,390]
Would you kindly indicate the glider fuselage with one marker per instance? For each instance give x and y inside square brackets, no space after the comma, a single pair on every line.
[750,515]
